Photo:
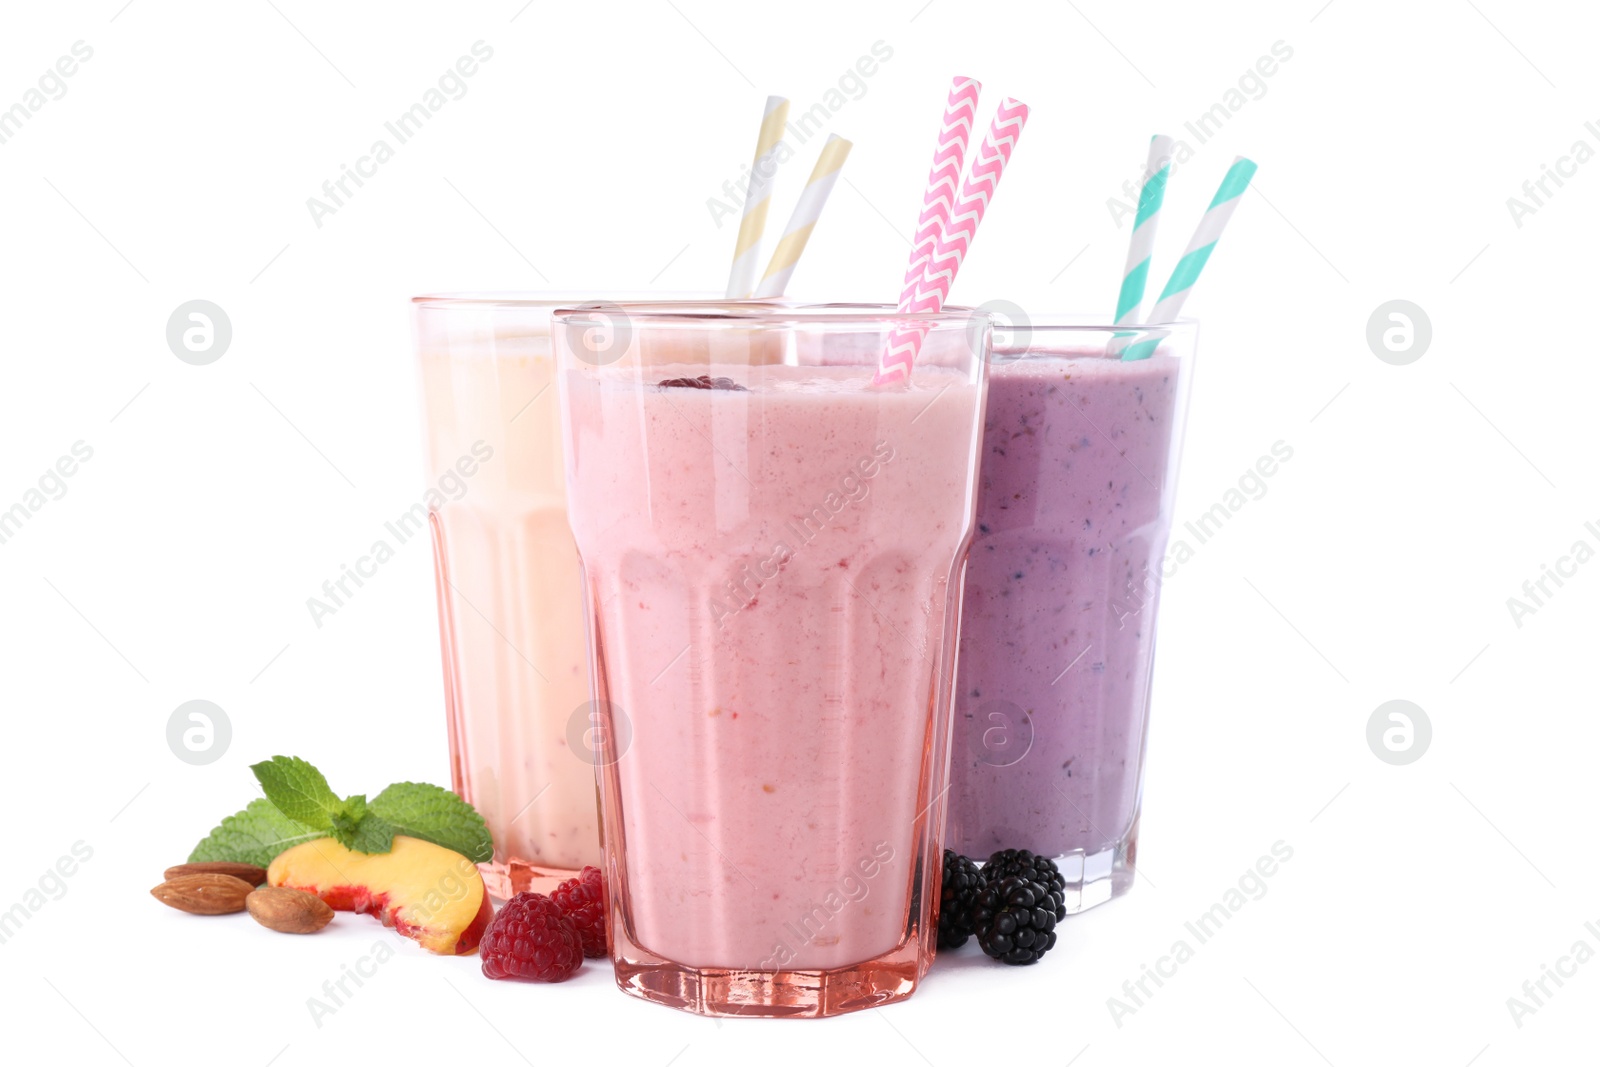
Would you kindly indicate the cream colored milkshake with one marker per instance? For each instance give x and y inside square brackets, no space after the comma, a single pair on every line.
[510,617]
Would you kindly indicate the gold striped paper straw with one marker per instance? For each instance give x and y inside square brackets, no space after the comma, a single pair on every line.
[758,194]
[804,219]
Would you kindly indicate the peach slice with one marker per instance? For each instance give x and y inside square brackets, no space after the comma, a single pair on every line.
[430,894]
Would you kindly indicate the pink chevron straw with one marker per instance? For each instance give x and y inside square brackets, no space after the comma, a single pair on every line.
[944,180]
[931,288]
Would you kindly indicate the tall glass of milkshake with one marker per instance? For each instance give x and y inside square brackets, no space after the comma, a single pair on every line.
[772,550]
[1058,624]
[510,620]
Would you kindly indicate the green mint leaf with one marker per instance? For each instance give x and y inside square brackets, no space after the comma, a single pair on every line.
[367,834]
[417,809]
[352,808]
[298,790]
[344,820]
[358,829]
[255,835]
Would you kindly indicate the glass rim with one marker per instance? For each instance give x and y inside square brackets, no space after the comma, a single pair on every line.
[553,298]
[769,313]
[1067,323]
[1071,338]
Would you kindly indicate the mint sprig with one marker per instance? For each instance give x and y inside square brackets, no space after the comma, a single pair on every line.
[300,806]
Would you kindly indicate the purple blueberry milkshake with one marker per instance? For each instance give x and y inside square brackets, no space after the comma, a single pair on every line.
[1058,620]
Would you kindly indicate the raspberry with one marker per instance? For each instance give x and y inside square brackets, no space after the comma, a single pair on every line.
[583,900]
[531,938]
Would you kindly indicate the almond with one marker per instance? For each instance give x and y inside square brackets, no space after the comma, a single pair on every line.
[247,872]
[288,911]
[203,894]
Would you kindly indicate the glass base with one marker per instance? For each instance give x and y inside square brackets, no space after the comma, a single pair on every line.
[1096,877]
[770,994]
[505,880]
[799,994]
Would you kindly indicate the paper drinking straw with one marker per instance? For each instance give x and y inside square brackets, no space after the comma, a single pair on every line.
[976,192]
[758,194]
[1130,300]
[1187,272]
[944,180]
[938,200]
[950,249]
[806,211]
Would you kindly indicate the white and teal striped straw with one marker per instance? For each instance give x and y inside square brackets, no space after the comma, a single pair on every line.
[1130,300]
[1187,272]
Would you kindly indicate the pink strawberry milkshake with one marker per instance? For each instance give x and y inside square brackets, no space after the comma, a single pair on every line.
[771,566]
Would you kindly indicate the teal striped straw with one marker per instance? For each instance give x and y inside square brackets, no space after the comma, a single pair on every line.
[1187,272]
[1143,240]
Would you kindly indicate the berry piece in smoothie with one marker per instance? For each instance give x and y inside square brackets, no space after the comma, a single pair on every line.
[704,381]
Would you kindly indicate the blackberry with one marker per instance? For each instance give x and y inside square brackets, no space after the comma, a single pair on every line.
[962,881]
[1020,863]
[1016,911]
[1012,924]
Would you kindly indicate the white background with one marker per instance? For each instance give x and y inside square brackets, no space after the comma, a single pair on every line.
[1420,497]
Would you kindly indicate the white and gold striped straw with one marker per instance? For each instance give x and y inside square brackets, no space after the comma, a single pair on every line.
[758,194]
[804,219]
